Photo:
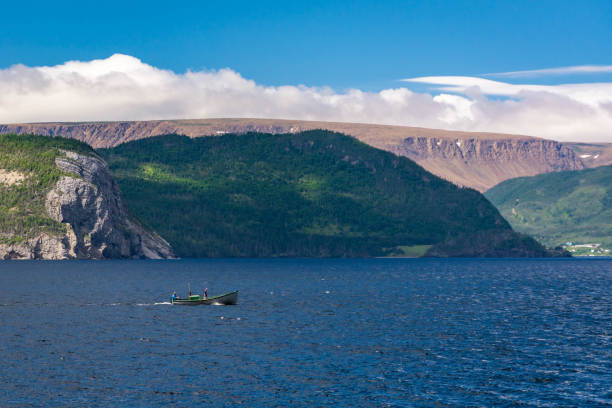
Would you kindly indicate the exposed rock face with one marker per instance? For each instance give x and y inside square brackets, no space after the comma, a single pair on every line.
[483,163]
[477,160]
[97,226]
[10,178]
[41,247]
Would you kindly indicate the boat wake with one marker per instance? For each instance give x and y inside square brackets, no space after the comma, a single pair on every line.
[153,304]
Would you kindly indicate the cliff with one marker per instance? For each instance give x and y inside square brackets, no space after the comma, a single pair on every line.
[482,163]
[72,211]
[476,160]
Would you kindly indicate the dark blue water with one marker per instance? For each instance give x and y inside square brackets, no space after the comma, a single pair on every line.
[343,333]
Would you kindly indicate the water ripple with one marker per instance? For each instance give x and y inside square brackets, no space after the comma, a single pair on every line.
[367,333]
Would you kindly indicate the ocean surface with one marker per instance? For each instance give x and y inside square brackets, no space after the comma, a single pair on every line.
[312,333]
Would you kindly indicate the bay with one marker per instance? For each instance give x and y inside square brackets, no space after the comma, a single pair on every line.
[344,333]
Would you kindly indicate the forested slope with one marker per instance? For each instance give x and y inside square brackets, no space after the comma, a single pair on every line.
[316,193]
[555,208]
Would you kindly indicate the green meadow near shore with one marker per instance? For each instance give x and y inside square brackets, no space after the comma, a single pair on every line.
[310,194]
[27,173]
[556,208]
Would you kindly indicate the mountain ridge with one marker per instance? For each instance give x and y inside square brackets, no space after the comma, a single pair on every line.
[478,160]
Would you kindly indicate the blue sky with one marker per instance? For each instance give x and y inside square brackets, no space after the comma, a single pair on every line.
[367,45]
[539,67]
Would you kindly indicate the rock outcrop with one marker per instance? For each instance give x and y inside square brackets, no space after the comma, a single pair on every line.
[88,203]
[478,160]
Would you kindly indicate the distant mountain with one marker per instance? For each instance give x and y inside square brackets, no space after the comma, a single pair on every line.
[313,194]
[59,201]
[477,160]
[592,154]
[574,206]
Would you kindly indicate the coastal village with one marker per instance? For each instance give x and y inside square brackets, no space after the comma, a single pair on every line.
[586,249]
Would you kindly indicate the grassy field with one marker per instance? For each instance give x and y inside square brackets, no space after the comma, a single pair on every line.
[413,251]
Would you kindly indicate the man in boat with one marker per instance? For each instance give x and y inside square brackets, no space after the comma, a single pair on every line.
[174,295]
[206,293]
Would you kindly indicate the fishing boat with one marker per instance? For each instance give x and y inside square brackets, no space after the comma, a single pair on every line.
[230,298]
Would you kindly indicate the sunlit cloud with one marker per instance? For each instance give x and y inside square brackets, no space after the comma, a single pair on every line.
[122,87]
[570,112]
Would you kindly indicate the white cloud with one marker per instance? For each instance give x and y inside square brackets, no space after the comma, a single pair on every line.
[573,70]
[124,88]
[570,112]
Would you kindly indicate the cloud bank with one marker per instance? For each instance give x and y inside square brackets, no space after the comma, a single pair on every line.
[122,87]
[573,70]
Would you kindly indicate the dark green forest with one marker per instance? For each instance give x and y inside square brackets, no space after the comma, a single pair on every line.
[315,193]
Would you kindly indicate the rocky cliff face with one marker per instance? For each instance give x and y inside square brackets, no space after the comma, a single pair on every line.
[483,163]
[477,160]
[97,227]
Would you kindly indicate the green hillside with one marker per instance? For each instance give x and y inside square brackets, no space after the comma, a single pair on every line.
[22,203]
[316,193]
[556,208]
